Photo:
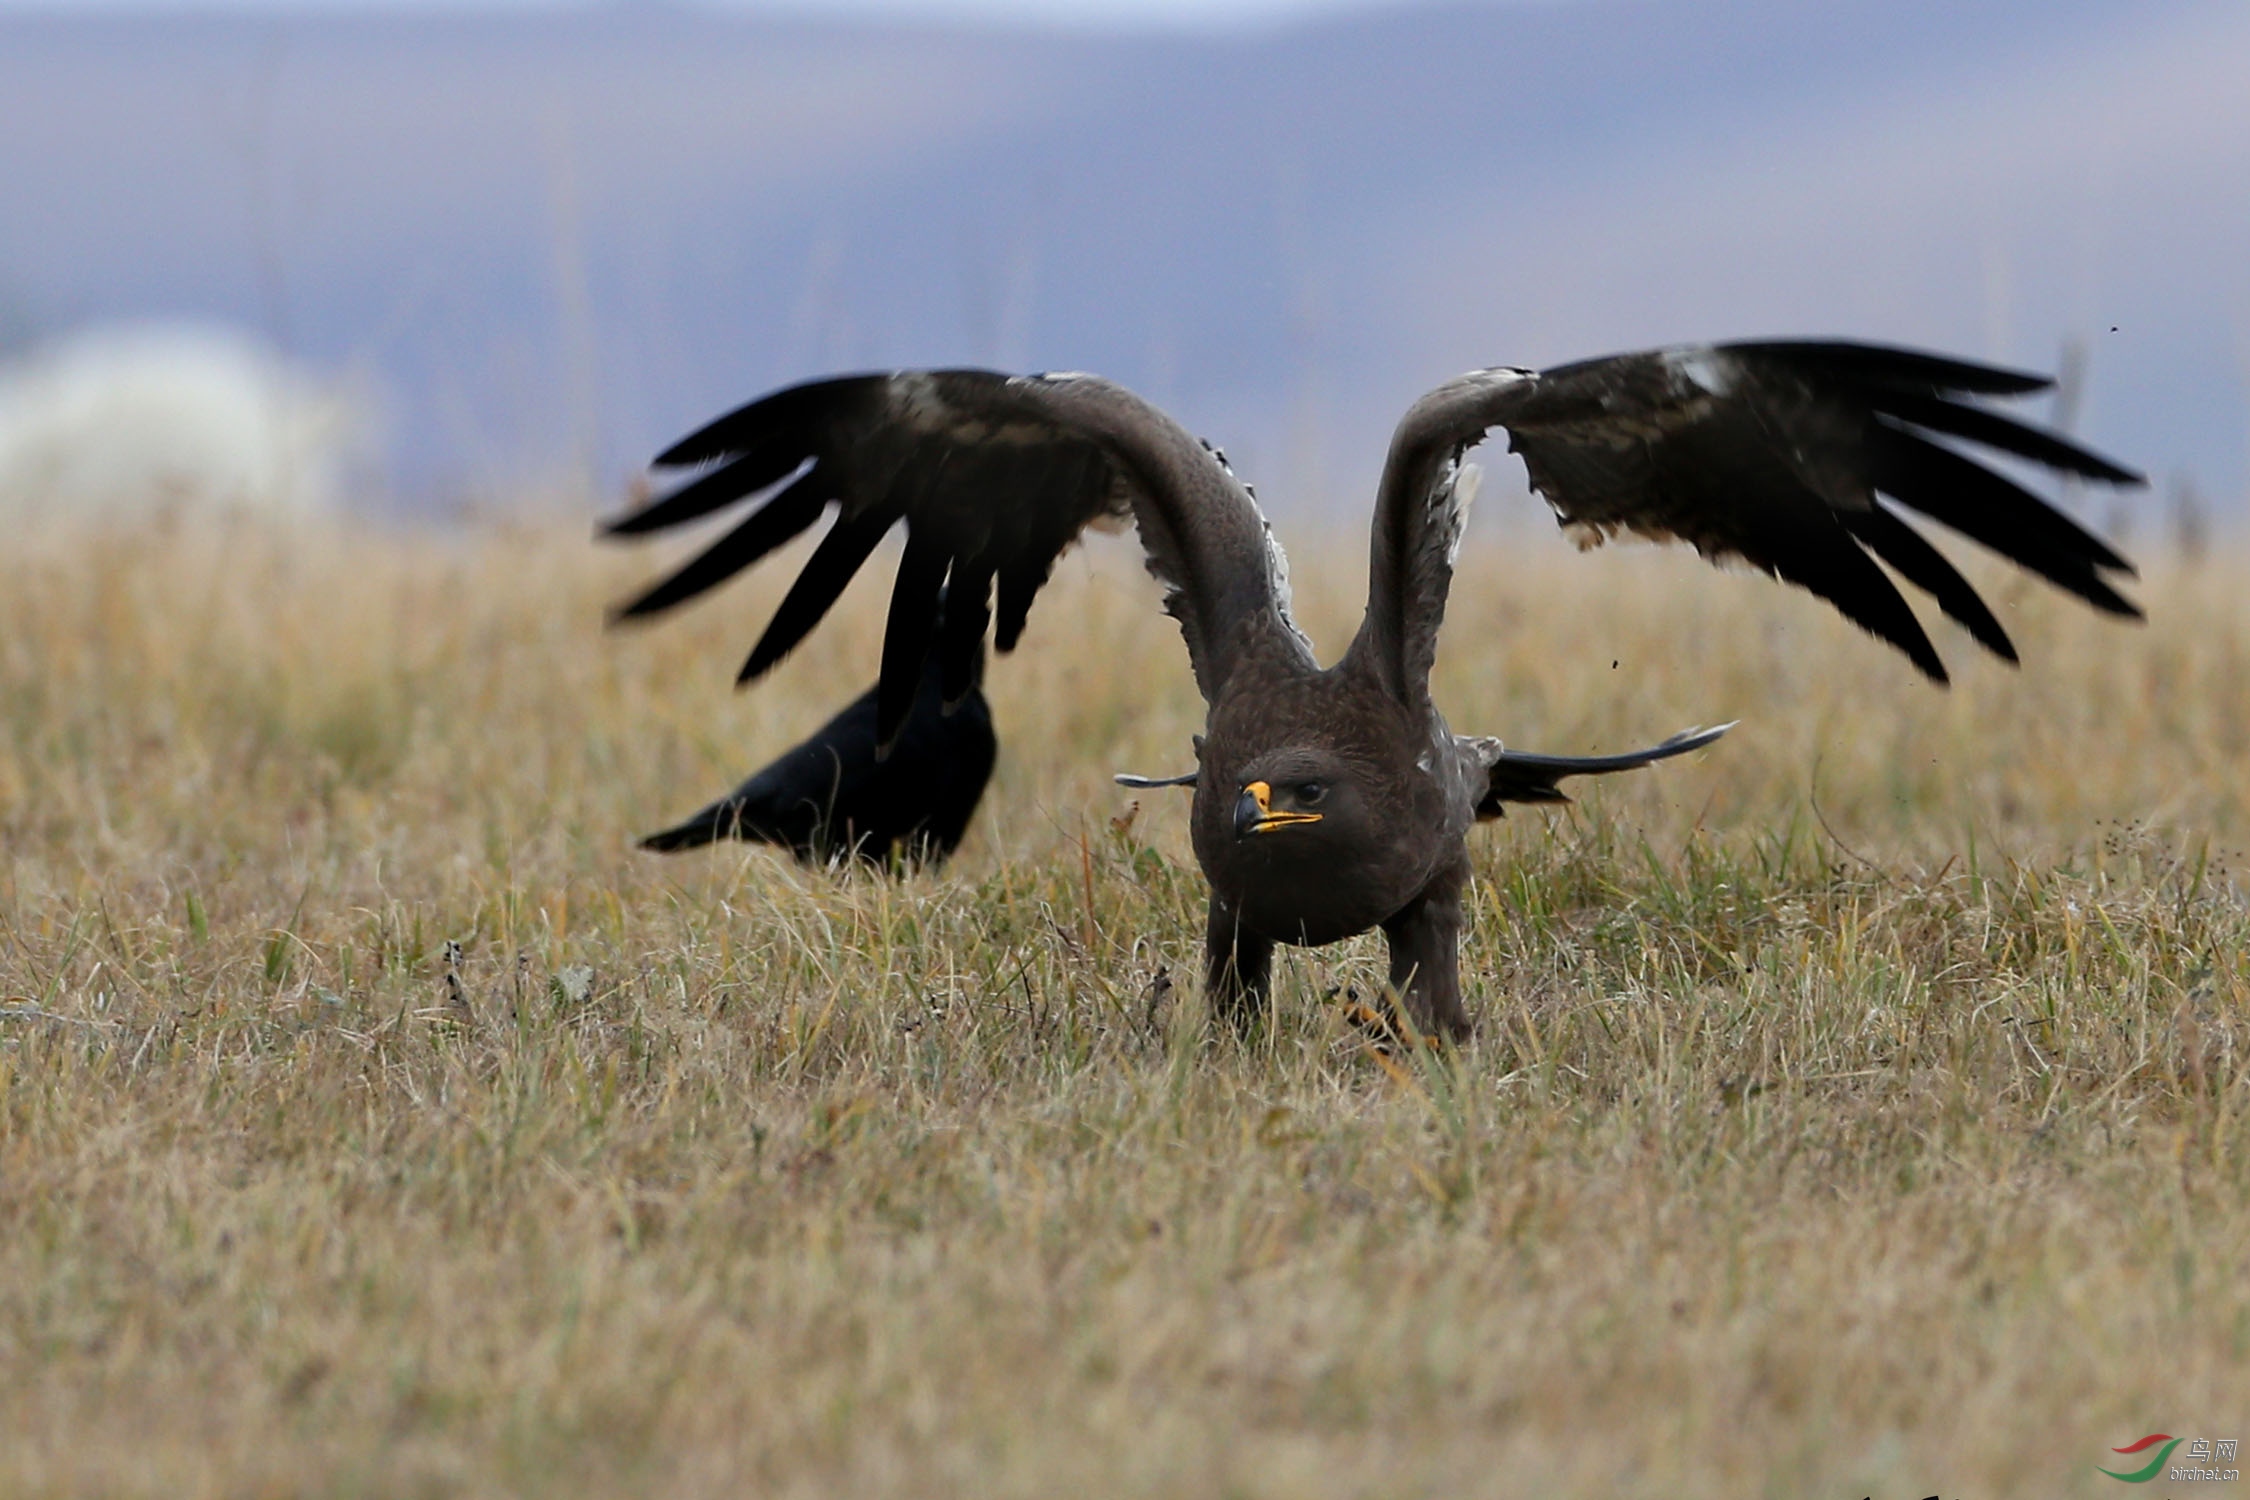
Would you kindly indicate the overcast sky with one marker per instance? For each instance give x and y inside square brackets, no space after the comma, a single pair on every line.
[576,231]
[1102,15]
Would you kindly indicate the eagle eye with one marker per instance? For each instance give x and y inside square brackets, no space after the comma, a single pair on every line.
[1309,793]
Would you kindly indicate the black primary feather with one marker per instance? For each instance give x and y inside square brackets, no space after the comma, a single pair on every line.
[1881,364]
[825,575]
[1926,568]
[769,526]
[1815,549]
[770,429]
[1991,508]
[917,596]
[968,610]
[2006,434]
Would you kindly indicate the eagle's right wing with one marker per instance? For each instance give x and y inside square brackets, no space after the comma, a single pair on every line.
[993,477]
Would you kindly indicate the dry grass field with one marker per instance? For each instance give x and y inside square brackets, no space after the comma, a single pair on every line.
[1860,1107]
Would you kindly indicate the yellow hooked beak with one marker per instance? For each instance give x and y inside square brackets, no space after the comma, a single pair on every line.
[1253,812]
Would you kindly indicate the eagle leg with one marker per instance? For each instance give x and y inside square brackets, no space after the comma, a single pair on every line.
[1425,938]
[1237,965]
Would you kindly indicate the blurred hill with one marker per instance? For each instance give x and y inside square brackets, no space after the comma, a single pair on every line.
[554,240]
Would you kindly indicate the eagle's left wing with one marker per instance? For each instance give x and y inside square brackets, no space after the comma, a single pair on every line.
[1778,453]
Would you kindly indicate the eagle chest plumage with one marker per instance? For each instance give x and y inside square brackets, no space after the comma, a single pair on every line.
[1394,809]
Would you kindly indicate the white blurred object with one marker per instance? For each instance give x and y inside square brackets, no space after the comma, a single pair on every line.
[126,419]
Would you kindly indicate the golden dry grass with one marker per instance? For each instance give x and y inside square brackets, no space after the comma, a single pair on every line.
[1858,1107]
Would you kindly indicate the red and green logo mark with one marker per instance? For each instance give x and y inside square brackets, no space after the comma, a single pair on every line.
[2155,1465]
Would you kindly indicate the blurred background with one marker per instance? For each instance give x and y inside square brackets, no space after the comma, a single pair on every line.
[418,260]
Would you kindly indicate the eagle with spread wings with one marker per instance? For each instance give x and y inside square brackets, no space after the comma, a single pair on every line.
[1333,800]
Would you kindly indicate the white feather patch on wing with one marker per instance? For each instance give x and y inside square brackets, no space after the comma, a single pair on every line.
[1486,749]
[1705,368]
[1277,560]
[1450,499]
[914,396]
[1277,581]
[919,400]
[1460,495]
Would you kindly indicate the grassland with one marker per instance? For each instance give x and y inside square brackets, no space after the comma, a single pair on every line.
[1858,1107]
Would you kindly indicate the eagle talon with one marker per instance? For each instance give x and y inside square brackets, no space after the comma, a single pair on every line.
[1387,1031]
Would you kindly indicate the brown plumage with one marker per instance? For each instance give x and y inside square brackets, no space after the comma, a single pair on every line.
[1331,801]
